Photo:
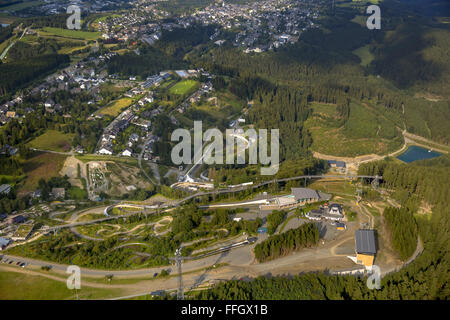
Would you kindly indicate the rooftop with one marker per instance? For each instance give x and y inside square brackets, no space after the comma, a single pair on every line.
[365,241]
[304,193]
[4,188]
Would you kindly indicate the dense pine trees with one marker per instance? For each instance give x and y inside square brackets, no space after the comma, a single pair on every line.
[422,180]
[280,245]
[19,73]
[403,228]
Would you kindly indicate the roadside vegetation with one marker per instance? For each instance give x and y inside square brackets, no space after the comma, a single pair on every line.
[274,220]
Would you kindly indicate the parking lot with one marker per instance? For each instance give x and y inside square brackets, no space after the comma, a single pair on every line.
[12,262]
[327,230]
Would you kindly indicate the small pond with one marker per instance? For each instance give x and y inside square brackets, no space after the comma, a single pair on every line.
[414,153]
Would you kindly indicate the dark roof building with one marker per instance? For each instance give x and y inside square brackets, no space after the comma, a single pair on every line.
[301,194]
[5,189]
[16,219]
[336,163]
[365,242]
[4,243]
[340,226]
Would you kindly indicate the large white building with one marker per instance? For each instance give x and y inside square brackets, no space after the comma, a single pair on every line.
[333,212]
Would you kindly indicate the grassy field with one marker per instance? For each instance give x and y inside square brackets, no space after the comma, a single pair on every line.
[22,5]
[23,230]
[69,50]
[114,108]
[77,193]
[183,87]
[101,19]
[66,45]
[41,165]
[361,20]
[166,84]
[16,286]
[111,88]
[337,187]
[72,34]
[365,132]
[364,54]
[92,157]
[5,18]
[52,140]
[367,1]
[228,105]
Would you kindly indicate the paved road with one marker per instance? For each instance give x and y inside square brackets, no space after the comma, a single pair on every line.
[234,255]
[255,186]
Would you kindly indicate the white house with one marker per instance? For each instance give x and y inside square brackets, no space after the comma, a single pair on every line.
[105,150]
[127,153]
[49,103]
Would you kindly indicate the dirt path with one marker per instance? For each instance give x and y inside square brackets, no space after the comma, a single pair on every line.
[343,240]
[426,143]
[370,217]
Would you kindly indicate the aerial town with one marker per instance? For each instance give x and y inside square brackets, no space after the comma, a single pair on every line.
[103,167]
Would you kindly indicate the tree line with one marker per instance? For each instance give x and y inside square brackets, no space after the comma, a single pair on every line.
[403,228]
[274,220]
[276,246]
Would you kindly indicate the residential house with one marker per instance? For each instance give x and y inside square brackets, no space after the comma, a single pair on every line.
[105,150]
[127,153]
[16,219]
[58,193]
[4,243]
[11,114]
[5,189]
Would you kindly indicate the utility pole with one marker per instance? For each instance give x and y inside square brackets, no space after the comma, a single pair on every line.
[358,197]
[375,183]
[179,261]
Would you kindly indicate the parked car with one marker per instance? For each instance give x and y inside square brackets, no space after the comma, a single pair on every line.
[155,274]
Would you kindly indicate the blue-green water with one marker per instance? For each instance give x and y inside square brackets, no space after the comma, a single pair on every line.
[414,153]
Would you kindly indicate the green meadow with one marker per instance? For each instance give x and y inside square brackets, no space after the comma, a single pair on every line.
[73,34]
